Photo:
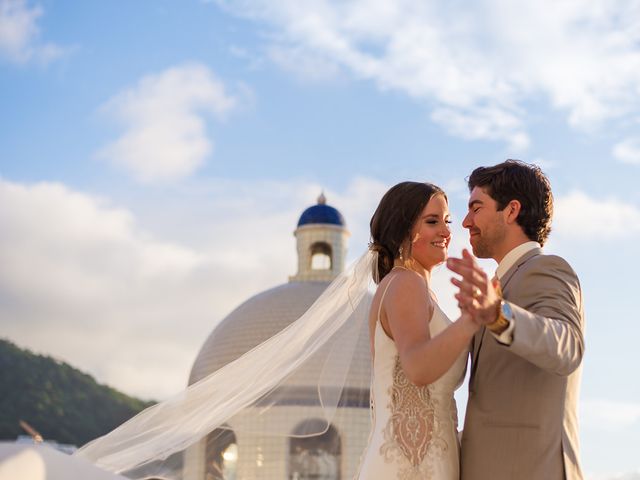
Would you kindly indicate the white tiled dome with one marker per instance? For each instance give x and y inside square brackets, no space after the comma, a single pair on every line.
[254,321]
[261,317]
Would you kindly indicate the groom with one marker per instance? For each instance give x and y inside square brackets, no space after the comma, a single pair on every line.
[521,420]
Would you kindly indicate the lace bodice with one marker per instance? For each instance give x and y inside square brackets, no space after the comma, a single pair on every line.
[414,433]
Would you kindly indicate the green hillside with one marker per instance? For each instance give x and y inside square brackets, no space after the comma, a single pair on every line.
[60,402]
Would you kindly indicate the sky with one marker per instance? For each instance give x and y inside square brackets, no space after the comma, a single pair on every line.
[155,157]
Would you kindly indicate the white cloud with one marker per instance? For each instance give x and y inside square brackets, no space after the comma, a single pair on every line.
[627,476]
[491,124]
[78,273]
[618,476]
[303,64]
[628,151]
[165,136]
[85,281]
[614,476]
[579,216]
[475,65]
[608,415]
[19,34]
[253,61]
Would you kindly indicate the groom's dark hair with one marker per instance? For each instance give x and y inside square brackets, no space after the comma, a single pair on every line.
[517,180]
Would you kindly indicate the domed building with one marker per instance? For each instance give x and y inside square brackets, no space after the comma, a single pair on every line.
[235,453]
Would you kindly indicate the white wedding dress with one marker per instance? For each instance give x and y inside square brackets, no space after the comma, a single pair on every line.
[414,429]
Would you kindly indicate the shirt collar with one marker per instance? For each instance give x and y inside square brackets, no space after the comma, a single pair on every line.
[510,258]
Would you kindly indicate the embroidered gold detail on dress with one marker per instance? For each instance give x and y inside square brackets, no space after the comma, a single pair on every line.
[414,432]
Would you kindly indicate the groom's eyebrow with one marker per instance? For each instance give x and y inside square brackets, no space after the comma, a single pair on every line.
[473,203]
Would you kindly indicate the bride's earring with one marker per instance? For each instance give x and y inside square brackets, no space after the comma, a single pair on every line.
[408,261]
[405,256]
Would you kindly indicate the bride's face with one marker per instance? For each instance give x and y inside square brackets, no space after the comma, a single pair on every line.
[431,235]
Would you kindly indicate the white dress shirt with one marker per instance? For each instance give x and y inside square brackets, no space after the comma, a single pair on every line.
[507,262]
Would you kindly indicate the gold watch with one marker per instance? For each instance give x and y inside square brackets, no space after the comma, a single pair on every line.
[505,317]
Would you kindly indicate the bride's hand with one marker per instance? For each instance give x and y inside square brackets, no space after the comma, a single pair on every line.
[469,321]
[477,293]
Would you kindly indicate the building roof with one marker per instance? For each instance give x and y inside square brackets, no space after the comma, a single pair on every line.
[321,213]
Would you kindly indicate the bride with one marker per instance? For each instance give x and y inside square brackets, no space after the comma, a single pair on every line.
[419,355]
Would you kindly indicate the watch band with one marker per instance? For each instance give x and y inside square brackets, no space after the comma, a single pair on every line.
[501,323]
[505,315]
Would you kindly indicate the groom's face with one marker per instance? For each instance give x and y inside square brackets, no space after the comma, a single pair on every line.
[486,225]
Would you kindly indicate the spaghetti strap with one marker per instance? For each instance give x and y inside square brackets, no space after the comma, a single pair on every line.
[382,297]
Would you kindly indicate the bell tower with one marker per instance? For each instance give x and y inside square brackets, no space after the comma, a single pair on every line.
[321,242]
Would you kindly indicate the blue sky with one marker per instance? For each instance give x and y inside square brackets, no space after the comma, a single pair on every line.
[155,157]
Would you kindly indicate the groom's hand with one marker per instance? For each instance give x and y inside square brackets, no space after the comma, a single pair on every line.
[476,292]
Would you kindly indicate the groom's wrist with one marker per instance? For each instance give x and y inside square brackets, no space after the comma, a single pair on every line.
[503,319]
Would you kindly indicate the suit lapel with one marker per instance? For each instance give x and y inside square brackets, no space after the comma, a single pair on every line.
[479,338]
[514,268]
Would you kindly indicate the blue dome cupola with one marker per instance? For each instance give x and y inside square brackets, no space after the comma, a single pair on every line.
[321,237]
[321,213]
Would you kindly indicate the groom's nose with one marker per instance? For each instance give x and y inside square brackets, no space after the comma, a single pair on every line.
[467,222]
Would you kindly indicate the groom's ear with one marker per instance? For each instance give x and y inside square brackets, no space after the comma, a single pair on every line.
[512,210]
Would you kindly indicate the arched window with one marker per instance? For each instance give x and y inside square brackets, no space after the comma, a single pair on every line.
[222,455]
[316,457]
[321,258]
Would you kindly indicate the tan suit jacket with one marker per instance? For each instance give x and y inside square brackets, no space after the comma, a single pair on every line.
[521,421]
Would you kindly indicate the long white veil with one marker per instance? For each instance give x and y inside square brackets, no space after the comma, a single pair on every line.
[308,367]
